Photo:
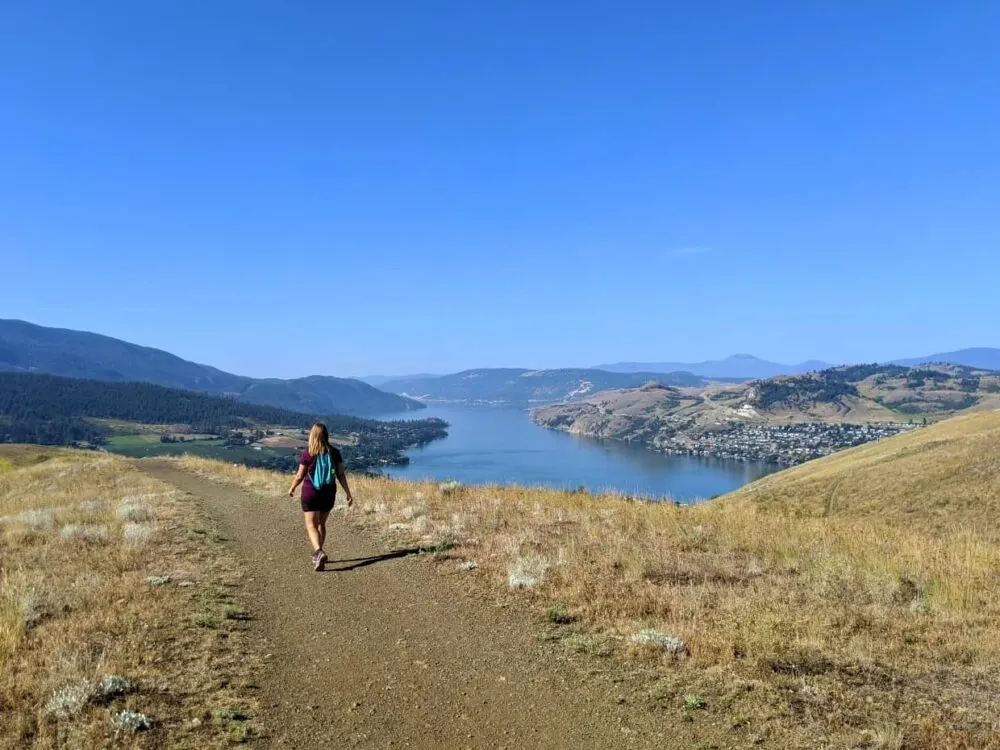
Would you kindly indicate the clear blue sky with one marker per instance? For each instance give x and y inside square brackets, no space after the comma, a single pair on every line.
[503,182]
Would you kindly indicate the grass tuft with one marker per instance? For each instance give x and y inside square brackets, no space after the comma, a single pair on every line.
[445,541]
[694,702]
[131,721]
[133,510]
[113,686]
[36,519]
[79,532]
[656,638]
[231,612]
[70,700]
[526,571]
[137,533]
[558,614]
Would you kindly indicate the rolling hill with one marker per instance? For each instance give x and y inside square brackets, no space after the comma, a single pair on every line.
[519,387]
[787,419]
[25,347]
[945,474]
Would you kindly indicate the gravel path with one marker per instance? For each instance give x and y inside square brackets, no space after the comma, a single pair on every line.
[388,649]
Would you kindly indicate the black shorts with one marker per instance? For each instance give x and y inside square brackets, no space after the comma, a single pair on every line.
[321,502]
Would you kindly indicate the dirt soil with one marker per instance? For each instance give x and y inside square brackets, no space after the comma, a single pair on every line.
[389,649]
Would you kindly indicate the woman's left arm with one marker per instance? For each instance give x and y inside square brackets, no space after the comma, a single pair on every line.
[298,479]
[342,478]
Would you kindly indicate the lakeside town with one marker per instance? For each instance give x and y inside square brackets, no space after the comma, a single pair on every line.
[785,445]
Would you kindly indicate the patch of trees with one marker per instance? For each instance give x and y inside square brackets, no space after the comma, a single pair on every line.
[54,431]
[917,378]
[918,405]
[25,395]
[561,420]
[170,438]
[969,384]
[856,373]
[52,410]
[288,464]
[824,387]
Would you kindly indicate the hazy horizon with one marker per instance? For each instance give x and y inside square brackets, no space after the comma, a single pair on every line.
[428,373]
[512,184]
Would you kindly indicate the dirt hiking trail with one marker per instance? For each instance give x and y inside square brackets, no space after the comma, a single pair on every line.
[383,650]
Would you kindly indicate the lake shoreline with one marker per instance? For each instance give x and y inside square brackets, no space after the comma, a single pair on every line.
[501,446]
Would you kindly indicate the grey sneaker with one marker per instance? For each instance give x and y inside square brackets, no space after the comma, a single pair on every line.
[319,560]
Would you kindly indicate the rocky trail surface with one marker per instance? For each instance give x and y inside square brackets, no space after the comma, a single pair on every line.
[386,649]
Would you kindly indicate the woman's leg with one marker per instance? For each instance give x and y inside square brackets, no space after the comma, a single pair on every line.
[312,529]
[321,527]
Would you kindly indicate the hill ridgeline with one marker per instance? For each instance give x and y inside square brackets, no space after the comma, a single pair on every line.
[783,420]
[26,347]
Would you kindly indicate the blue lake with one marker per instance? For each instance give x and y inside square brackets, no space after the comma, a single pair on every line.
[502,446]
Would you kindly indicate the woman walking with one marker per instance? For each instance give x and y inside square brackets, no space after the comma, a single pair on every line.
[318,465]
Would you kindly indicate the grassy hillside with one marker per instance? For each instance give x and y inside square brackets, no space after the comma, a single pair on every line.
[25,347]
[851,602]
[118,606]
[937,477]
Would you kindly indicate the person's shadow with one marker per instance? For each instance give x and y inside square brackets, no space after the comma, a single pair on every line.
[362,562]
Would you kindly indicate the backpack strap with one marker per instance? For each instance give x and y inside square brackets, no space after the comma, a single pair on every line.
[317,482]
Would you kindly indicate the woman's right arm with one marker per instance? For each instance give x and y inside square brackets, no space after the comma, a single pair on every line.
[298,479]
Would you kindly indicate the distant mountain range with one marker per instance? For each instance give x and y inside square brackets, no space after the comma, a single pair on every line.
[522,387]
[982,358]
[741,366]
[749,367]
[379,380]
[515,386]
[25,347]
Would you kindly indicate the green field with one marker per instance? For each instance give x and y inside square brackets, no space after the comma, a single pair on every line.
[148,439]
[141,440]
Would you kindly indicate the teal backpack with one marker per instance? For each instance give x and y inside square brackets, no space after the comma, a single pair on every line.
[323,471]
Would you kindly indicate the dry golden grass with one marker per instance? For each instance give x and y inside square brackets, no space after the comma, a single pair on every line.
[849,602]
[80,533]
[938,477]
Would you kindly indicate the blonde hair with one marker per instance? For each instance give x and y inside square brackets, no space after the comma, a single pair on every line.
[319,439]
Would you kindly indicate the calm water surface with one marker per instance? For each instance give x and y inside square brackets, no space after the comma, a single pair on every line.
[502,446]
